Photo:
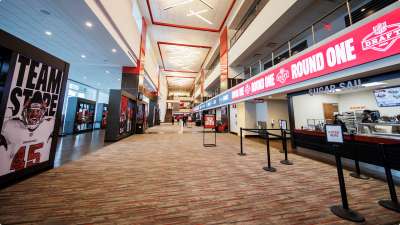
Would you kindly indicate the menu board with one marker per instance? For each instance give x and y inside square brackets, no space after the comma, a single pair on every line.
[388,97]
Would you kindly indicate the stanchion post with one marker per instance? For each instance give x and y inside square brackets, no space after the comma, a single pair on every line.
[335,138]
[392,203]
[268,168]
[241,153]
[357,174]
[284,144]
[343,210]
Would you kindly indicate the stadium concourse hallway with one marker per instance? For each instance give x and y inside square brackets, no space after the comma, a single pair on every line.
[168,177]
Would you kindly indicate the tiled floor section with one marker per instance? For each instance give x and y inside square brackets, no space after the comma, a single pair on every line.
[170,178]
[73,147]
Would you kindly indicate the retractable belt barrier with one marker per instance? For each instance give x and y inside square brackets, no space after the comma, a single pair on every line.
[266,134]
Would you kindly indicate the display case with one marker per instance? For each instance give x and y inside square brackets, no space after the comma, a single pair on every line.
[379,129]
[101,116]
[121,116]
[79,115]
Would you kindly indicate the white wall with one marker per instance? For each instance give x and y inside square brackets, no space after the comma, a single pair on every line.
[122,16]
[215,74]
[162,98]
[310,107]
[233,119]
[261,112]
[277,110]
[367,100]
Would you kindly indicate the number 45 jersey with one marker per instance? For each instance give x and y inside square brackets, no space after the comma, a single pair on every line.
[21,148]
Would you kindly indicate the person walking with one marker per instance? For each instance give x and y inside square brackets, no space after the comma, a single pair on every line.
[184,119]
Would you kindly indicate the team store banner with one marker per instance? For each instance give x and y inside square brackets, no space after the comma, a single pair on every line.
[29,120]
[375,40]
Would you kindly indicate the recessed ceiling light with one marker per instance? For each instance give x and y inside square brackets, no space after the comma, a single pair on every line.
[88,24]
[363,9]
[48,33]
[107,71]
[45,12]
[83,56]
[119,79]
[114,50]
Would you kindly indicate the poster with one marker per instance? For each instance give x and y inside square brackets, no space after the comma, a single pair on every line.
[130,113]
[209,121]
[334,133]
[29,119]
[123,114]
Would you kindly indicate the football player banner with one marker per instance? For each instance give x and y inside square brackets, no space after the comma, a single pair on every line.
[30,115]
[209,121]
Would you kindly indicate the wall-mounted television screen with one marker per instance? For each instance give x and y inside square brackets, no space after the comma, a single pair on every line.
[388,97]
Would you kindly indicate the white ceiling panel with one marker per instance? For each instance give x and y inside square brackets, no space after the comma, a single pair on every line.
[195,14]
[183,58]
[69,31]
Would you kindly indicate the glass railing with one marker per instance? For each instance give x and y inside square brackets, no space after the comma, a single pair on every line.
[251,14]
[344,15]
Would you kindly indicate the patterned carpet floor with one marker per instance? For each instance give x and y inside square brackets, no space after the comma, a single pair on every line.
[168,177]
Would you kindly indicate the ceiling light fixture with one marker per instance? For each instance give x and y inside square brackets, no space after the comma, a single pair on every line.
[88,24]
[114,50]
[197,14]
[363,9]
[207,4]
[107,71]
[48,33]
[83,56]
[178,4]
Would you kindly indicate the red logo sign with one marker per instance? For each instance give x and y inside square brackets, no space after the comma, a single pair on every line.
[283,75]
[382,37]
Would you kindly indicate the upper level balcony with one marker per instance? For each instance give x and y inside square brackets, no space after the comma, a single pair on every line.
[342,16]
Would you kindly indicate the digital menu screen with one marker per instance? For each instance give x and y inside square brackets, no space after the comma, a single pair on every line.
[388,97]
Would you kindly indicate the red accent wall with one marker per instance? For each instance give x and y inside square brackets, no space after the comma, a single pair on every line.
[139,69]
[223,54]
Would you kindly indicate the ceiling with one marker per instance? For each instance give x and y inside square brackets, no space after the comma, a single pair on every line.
[207,15]
[182,57]
[178,81]
[184,41]
[63,29]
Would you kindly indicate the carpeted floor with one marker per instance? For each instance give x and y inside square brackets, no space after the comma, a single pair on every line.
[166,177]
